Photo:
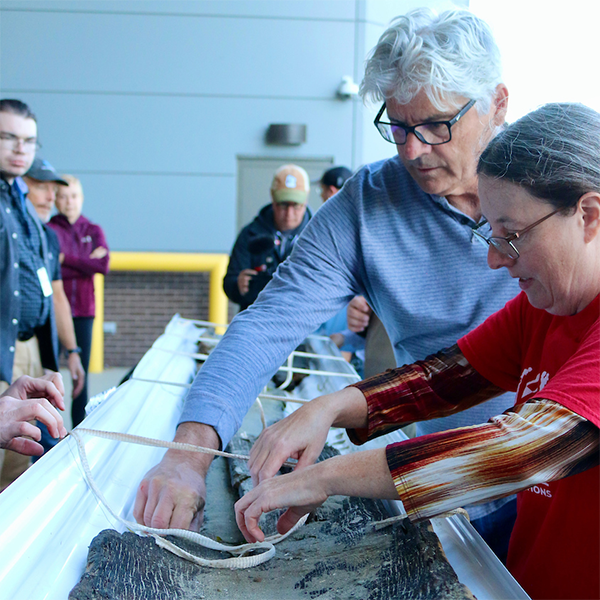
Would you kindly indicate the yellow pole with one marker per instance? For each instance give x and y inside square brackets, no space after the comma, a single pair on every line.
[215,264]
[97,353]
[217,300]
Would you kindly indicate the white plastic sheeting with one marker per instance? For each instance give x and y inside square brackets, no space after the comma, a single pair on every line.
[48,517]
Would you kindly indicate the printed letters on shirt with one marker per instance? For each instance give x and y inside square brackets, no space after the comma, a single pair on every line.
[531,384]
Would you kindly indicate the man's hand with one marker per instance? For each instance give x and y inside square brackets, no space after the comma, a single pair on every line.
[99,252]
[77,373]
[172,494]
[15,414]
[49,386]
[359,313]
[243,280]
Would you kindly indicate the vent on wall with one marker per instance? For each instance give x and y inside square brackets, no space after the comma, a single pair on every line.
[286,134]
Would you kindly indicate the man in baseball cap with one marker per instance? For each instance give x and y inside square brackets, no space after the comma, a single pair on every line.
[41,179]
[332,181]
[268,240]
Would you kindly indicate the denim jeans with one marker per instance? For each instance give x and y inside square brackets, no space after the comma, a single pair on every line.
[497,527]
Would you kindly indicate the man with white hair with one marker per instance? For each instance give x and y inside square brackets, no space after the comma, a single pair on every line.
[399,233]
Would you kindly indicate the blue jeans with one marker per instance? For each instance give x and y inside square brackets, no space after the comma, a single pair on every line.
[496,528]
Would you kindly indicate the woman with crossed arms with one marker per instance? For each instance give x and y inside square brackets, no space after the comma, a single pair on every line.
[539,187]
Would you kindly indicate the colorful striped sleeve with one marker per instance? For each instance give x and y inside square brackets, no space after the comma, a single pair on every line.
[536,442]
[442,384]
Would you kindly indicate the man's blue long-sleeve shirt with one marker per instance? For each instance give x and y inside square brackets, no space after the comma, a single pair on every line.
[414,258]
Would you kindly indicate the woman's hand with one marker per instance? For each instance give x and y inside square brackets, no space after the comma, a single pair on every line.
[302,435]
[302,491]
[362,474]
[99,252]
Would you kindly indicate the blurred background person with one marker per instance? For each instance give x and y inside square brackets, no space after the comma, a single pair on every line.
[83,253]
[332,181]
[351,344]
[43,181]
[265,243]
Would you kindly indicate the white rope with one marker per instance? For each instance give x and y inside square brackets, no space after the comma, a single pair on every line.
[175,383]
[283,398]
[319,372]
[322,356]
[263,418]
[238,562]
[145,441]
[207,323]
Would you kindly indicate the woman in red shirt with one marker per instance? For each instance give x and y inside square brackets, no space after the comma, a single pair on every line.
[539,188]
[84,252]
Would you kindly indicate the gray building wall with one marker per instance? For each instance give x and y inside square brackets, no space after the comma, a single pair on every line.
[151,102]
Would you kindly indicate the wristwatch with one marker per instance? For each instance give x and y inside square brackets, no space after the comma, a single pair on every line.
[76,350]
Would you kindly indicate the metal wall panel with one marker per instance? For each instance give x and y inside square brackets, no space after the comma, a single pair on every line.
[299,9]
[153,101]
[163,213]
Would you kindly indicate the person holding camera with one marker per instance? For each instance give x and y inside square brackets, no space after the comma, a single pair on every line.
[268,240]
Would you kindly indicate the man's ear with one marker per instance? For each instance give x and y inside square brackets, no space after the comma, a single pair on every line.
[500,105]
[589,205]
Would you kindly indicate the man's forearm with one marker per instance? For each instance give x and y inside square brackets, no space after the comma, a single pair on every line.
[64,317]
[306,290]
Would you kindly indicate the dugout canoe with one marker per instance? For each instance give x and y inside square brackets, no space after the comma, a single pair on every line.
[49,517]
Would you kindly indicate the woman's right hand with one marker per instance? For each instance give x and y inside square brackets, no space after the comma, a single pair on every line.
[99,252]
[302,434]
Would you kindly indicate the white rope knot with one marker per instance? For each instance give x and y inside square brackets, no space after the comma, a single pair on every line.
[242,561]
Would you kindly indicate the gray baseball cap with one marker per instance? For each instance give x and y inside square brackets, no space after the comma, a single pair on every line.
[42,170]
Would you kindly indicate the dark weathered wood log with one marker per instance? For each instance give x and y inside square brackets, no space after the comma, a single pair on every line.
[338,554]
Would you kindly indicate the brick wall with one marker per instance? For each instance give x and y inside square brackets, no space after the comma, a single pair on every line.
[142,303]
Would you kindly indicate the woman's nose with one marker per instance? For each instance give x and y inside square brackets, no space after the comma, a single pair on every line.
[497,259]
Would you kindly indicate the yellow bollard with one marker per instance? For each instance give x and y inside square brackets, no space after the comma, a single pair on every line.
[215,264]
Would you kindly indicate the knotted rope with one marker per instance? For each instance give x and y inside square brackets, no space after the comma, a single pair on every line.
[238,562]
